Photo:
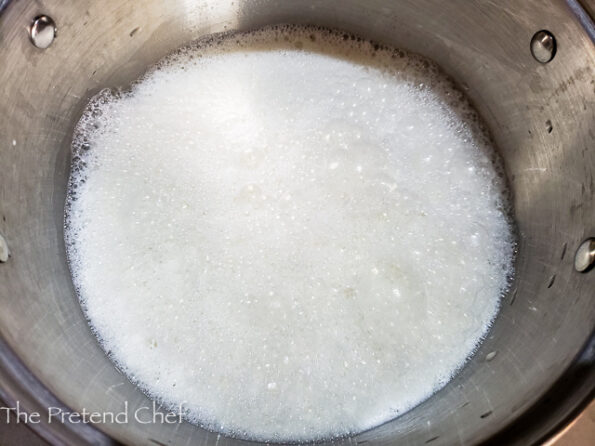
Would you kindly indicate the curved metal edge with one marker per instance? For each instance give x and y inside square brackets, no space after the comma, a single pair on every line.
[558,406]
[583,17]
[19,384]
[3,5]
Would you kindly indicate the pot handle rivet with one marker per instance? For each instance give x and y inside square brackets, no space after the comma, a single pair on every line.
[42,31]
[543,46]
[584,258]
[4,252]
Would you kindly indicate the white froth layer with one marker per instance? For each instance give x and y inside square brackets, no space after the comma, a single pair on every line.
[297,243]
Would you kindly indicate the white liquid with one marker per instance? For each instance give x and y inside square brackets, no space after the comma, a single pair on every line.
[298,244]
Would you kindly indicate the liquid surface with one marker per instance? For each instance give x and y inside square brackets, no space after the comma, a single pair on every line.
[297,234]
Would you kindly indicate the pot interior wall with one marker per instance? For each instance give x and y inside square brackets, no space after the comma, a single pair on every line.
[541,116]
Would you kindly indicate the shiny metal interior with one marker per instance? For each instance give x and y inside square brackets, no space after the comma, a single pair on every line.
[533,371]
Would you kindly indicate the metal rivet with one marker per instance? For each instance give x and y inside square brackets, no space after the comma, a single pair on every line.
[584,258]
[42,31]
[543,46]
[4,253]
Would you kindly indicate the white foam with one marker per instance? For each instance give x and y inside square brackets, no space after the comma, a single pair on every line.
[297,233]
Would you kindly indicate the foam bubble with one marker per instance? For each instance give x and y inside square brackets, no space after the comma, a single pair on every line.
[298,233]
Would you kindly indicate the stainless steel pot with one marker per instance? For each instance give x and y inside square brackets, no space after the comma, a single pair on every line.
[533,372]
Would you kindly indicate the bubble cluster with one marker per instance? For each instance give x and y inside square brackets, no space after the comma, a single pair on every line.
[298,233]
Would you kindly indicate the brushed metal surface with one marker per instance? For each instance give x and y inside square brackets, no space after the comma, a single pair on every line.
[542,118]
